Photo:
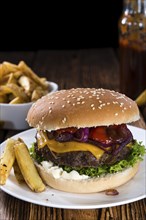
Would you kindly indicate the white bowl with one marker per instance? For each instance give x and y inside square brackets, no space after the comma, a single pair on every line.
[13,116]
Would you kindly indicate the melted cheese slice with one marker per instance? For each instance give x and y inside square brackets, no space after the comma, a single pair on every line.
[63,147]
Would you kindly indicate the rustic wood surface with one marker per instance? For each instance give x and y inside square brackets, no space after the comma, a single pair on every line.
[82,68]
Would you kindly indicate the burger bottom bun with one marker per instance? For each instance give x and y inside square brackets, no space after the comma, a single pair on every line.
[91,185]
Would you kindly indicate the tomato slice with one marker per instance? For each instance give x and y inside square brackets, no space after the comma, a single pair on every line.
[99,134]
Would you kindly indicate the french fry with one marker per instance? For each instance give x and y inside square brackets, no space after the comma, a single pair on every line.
[12,79]
[28,168]
[18,82]
[10,67]
[28,84]
[18,173]
[4,90]
[17,91]
[37,93]
[6,68]
[6,161]
[28,71]
[16,100]
[3,71]
[18,74]
[4,79]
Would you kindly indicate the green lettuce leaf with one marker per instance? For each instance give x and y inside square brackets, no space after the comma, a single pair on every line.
[137,154]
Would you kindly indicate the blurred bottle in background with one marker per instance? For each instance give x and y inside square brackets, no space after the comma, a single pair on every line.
[132,44]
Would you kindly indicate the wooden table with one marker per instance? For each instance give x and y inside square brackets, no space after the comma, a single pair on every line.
[82,68]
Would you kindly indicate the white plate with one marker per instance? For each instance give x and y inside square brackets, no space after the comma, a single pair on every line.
[132,191]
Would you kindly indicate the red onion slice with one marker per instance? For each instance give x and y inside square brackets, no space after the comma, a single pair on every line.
[81,135]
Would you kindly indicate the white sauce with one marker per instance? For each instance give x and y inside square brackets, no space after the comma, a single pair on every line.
[60,173]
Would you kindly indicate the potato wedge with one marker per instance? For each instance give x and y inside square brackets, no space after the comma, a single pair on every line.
[7,161]
[18,173]
[28,168]
[141,99]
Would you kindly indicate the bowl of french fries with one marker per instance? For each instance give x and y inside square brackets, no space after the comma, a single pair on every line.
[20,87]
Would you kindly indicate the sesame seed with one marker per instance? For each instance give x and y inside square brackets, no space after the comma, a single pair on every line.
[63,106]
[92,105]
[43,117]
[119,97]
[82,97]
[116,114]
[64,120]
[114,94]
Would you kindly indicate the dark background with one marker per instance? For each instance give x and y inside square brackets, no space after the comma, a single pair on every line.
[69,26]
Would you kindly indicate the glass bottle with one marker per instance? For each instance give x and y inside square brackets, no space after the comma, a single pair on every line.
[132,44]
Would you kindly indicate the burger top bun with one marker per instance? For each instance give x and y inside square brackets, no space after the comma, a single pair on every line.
[82,107]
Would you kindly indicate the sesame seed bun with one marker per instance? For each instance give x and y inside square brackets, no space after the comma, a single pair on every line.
[91,185]
[82,107]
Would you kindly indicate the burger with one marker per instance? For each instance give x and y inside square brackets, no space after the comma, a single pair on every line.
[83,144]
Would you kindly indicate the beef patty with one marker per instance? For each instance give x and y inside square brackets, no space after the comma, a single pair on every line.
[80,158]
